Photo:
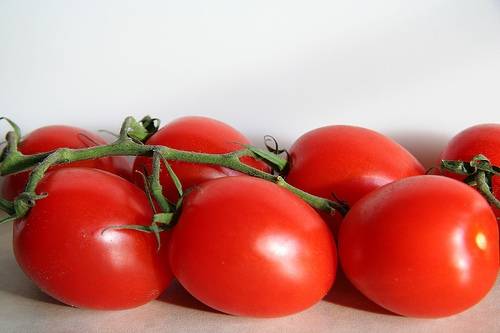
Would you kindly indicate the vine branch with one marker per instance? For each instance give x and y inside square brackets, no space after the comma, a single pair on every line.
[130,142]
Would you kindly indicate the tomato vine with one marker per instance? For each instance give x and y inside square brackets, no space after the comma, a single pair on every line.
[130,142]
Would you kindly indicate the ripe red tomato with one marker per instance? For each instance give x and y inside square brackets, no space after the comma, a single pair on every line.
[61,245]
[424,246]
[50,138]
[347,162]
[245,246]
[196,134]
[480,139]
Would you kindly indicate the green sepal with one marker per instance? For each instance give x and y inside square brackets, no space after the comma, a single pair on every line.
[458,167]
[24,202]
[7,206]
[150,124]
[136,227]
[141,131]
[14,126]
[173,176]
[270,158]
[8,219]
[481,162]
[163,218]
[12,139]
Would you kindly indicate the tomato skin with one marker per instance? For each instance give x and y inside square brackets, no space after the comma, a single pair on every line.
[49,138]
[196,134]
[480,139]
[61,246]
[347,162]
[247,247]
[424,246]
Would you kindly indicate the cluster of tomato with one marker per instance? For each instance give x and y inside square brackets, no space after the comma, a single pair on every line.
[418,245]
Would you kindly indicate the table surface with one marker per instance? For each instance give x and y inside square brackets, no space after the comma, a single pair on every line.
[23,308]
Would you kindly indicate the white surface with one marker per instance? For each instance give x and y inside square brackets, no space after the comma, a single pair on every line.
[416,70]
[25,309]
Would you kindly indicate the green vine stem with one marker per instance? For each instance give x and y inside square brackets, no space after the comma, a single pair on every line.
[130,143]
[479,172]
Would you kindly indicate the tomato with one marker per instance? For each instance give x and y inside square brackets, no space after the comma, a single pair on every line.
[480,139]
[247,247]
[64,247]
[347,162]
[196,134]
[50,138]
[424,246]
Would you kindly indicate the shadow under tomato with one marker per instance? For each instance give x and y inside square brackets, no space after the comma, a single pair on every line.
[345,294]
[176,294]
[13,281]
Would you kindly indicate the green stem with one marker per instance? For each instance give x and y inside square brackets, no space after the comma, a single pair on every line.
[317,202]
[7,206]
[484,188]
[478,172]
[156,188]
[125,146]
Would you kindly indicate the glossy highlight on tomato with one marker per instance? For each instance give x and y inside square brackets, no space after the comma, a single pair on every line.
[195,134]
[50,138]
[424,246]
[247,247]
[65,247]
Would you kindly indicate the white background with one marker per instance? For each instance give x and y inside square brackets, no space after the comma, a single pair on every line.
[418,71]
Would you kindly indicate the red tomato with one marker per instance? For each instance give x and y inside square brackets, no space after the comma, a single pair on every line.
[480,139]
[50,138]
[196,134]
[347,162]
[245,246]
[425,246]
[61,245]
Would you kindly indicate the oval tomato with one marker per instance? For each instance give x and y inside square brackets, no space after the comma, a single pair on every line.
[245,246]
[347,162]
[196,134]
[480,139]
[53,137]
[63,247]
[424,246]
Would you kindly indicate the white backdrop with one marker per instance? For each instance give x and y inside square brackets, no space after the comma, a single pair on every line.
[418,71]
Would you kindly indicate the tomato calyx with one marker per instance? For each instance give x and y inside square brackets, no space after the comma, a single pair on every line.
[478,173]
[142,130]
[169,212]
[12,139]
[20,206]
[161,222]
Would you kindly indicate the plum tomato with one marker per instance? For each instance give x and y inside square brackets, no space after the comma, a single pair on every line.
[347,162]
[195,134]
[248,247]
[63,244]
[480,139]
[49,138]
[424,246]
